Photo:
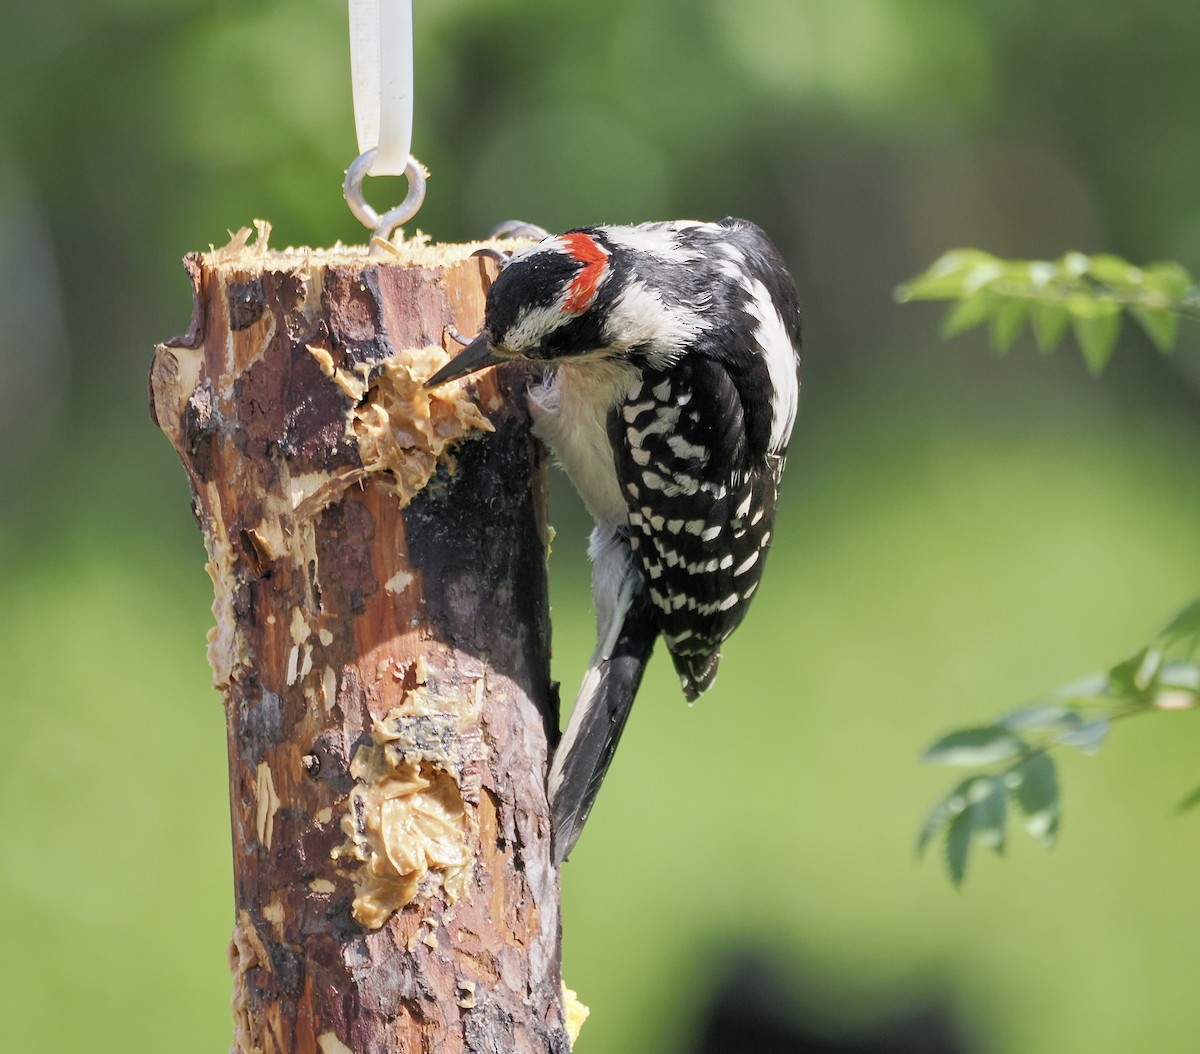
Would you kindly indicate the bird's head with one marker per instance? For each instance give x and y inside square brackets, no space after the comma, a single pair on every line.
[581,295]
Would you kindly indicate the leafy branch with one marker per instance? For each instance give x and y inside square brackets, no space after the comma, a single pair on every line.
[1015,750]
[1087,294]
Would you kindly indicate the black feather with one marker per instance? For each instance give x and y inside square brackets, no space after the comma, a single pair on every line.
[592,750]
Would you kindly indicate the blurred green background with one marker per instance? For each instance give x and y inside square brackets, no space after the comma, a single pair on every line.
[958,534]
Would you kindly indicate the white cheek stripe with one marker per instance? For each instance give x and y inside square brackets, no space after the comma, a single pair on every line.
[533,324]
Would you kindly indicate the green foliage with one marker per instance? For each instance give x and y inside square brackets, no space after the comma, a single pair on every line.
[1086,294]
[1015,749]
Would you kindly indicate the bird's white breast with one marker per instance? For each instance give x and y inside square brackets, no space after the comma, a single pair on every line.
[570,414]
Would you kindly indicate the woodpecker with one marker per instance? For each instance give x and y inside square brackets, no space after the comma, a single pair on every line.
[671,356]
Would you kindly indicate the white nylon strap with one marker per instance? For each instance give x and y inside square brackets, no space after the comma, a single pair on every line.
[381,65]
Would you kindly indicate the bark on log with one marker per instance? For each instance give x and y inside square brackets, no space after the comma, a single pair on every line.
[382,647]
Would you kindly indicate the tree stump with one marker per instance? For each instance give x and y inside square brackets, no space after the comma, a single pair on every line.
[378,555]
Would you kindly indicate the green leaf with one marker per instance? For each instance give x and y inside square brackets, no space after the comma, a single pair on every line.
[946,278]
[1180,675]
[974,746]
[1089,736]
[1034,785]
[1087,689]
[1050,321]
[1075,264]
[969,313]
[1096,325]
[1129,679]
[1114,272]
[1168,279]
[1041,273]
[988,807]
[1086,292]
[939,816]
[1160,324]
[1007,320]
[1148,668]
[1183,625]
[982,274]
[958,847]
[1040,717]
[976,808]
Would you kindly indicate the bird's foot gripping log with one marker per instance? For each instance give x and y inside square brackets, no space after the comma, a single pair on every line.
[381,645]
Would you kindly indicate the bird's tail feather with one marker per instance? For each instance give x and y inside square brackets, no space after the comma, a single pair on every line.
[625,639]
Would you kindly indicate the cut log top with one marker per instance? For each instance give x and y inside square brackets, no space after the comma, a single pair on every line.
[250,249]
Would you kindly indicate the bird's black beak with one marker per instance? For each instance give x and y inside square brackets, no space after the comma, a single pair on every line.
[475,356]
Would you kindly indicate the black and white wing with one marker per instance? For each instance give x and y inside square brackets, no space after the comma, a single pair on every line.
[698,532]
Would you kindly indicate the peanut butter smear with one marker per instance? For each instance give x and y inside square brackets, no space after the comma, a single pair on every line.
[407,823]
[575,1013]
[400,427]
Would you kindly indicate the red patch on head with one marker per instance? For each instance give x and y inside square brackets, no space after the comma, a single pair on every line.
[582,290]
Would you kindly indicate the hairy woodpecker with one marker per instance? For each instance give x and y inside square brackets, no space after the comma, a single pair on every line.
[672,374]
